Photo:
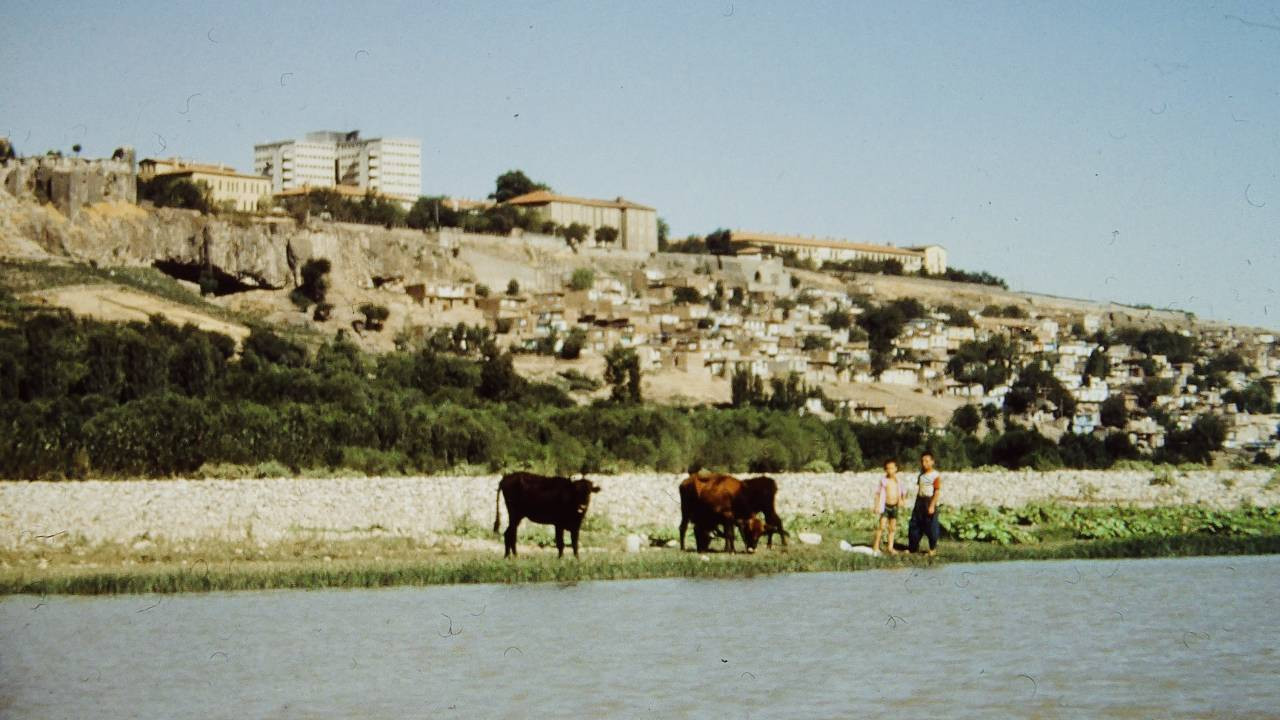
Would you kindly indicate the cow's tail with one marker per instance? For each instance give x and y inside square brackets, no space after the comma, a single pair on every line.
[497,510]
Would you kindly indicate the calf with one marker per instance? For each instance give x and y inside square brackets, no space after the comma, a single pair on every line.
[555,500]
[759,496]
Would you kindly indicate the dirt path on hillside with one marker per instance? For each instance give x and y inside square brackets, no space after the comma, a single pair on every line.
[115,304]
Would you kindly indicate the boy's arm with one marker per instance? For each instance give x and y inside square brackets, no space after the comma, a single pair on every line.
[937,490]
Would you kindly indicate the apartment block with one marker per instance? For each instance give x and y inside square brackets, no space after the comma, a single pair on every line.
[387,166]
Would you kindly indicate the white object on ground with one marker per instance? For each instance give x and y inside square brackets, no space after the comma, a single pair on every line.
[809,538]
[673,544]
[859,549]
[633,543]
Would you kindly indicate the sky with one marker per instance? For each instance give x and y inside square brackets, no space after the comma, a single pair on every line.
[1110,151]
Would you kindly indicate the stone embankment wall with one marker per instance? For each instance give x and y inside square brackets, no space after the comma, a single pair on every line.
[427,507]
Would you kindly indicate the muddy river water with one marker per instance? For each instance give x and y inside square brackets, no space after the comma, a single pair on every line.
[1124,638]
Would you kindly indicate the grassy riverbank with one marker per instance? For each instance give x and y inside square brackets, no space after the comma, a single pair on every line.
[486,567]
[66,564]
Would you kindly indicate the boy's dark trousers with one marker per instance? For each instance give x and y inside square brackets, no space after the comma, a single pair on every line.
[922,523]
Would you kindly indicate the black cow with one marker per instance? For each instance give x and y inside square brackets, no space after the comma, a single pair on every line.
[557,501]
[758,496]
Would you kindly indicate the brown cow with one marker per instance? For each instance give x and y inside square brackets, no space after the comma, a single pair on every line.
[714,500]
[557,501]
[760,495]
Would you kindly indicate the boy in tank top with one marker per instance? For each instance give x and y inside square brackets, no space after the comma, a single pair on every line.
[924,516]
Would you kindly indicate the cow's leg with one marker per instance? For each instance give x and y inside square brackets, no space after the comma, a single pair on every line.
[701,537]
[684,525]
[509,537]
[728,536]
[560,540]
[573,536]
[776,522]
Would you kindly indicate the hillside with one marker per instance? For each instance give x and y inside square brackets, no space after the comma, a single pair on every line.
[107,264]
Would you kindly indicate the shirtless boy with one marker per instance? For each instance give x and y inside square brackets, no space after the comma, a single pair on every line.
[888,498]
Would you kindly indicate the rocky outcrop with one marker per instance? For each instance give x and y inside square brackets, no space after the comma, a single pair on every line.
[264,253]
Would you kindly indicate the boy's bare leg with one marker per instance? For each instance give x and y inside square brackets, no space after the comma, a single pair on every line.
[893,531]
[875,544]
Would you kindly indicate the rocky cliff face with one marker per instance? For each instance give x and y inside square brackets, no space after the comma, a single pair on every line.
[263,253]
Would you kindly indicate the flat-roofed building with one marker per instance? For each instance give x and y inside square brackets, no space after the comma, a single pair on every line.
[932,258]
[387,166]
[637,225]
[226,186]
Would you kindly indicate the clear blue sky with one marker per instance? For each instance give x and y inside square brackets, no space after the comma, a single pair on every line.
[1114,151]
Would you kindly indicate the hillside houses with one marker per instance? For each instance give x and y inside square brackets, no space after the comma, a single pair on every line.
[709,325]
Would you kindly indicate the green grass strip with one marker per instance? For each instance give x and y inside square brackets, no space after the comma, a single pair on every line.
[544,567]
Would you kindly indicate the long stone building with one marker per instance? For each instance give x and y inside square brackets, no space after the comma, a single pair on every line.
[637,225]
[932,258]
[245,193]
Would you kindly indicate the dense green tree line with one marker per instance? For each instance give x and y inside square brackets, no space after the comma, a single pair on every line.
[82,398]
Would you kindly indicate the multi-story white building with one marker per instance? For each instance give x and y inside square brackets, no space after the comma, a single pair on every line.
[387,166]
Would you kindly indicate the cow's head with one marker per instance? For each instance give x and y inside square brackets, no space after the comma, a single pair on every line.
[752,530]
[582,490]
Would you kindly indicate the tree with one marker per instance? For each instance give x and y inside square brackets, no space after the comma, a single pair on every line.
[838,319]
[967,419]
[482,290]
[513,287]
[607,235]
[883,325]
[1114,413]
[789,393]
[374,315]
[571,349]
[663,231]
[498,378]
[575,233]
[1176,347]
[582,279]
[76,149]
[168,191]
[986,362]
[1150,389]
[622,371]
[431,212]
[720,242]
[956,315]
[1254,398]
[1035,383]
[1098,365]
[1025,448]
[746,387]
[1196,444]
[815,342]
[685,295]
[315,283]
[514,183]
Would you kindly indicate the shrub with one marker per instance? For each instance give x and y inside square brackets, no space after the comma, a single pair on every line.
[374,315]
[582,279]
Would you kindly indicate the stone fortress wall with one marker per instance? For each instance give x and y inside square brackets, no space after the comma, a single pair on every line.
[70,183]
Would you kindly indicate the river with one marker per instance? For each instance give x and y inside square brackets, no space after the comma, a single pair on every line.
[1117,638]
